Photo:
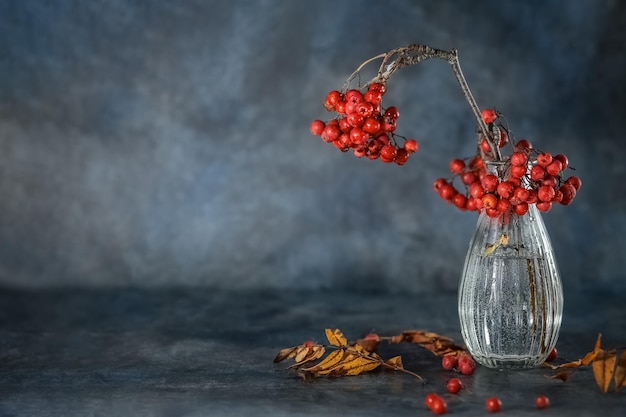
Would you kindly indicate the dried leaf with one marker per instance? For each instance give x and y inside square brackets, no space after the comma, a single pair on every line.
[308,353]
[370,345]
[603,369]
[586,360]
[502,241]
[436,343]
[286,353]
[329,362]
[356,366]
[395,363]
[336,338]
[620,372]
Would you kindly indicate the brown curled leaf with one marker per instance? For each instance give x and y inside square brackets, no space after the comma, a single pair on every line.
[308,353]
[336,337]
[603,368]
[436,343]
[620,372]
[286,353]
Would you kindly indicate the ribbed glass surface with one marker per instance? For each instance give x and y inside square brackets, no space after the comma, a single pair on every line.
[510,295]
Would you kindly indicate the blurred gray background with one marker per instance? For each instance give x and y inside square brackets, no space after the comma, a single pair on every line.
[151,143]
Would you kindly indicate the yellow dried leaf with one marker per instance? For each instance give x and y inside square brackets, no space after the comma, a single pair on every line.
[329,362]
[603,369]
[620,372]
[502,241]
[395,362]
[310,353]
[286,353]
[336,338]
[355,366]
[591,356]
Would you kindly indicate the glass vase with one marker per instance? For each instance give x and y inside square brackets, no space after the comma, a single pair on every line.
[510,295]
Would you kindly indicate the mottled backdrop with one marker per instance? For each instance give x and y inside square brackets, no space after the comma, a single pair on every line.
[166,143]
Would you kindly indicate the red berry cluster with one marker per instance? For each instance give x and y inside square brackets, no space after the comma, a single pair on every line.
[529,177]
[462,363]
[364,126]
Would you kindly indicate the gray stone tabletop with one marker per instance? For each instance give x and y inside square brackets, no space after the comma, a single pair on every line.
[198,352]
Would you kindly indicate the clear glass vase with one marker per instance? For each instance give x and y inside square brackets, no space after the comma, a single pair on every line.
[510,295]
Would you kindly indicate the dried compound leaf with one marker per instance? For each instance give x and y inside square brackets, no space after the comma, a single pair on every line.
[329,362]
[436,343]
[620,372]
[309,353]
[286,353]
[603,369]
[336,337]
[355,366]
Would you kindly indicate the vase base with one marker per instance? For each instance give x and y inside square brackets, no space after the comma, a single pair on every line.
[510,362]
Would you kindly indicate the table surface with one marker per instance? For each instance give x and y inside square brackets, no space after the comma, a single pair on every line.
[200,352]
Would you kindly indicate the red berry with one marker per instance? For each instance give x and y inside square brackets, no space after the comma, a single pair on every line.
[490,201]
[460,201]
[544,159]
[355,119]
[344,125]
[484,146]
[506,189]
[449,362]
[439,182]
[575,182]
[518,171]
[331,132]
[430,399]
[447,192]
[360,151]
[371,125]
[553,355]
[503,206]
[340,107]
[377,87]
[358,136]
[549,180]
[554,168]
[537,173]
[469,177]
[373,97]
[521,194]
[489,115]
[490,183]
[454,385]
[544,206]
[332,98]
[439,406]
[354,96]
[317,127]
[466,364]
[308,343]
[410,145]
[542,402]
[493,404]
[521,208]
[457,166]
[504,138]
[392,113]
[476,190]
[401,156]
[563,159]
[545,193]
[523,145]
[569,192]
[372,336]
[519,159]
[365,108]
[388,153]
